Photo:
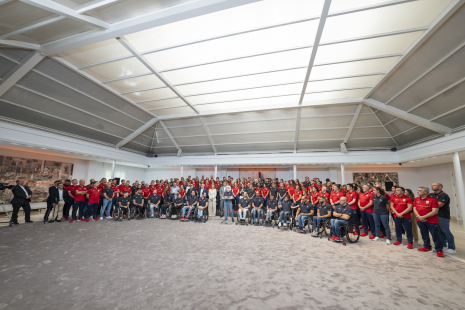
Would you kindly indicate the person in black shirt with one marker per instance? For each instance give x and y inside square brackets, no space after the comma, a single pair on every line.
[342,214]
[447,238]
[154,202]
[168,202]
[274,191]
[191,202]
[250,191]
[381,214]
[107,194]
[124,204]
[244,206]
[203,205]
[138,202]
[177,205]
[323,213]
[305,210]
[271,207]
[282,191]
[257,205]
[286,209]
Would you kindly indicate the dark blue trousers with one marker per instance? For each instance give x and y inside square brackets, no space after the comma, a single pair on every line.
[407,223]
[432,228]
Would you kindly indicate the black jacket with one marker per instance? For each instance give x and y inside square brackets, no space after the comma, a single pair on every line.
[20,195]
[55,195]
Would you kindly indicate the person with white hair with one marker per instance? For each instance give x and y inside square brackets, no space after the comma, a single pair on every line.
[227,198]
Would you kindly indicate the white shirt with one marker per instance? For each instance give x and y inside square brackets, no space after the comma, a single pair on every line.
[27,195]
[60,192]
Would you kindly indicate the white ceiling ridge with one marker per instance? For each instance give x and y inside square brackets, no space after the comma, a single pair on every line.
[166,16]
[136,133]
[67,12]
[381,123]
[19,44]
[352,123]
[437,22]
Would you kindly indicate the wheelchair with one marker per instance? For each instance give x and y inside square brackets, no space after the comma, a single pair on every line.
[190,215]
[308,223]
[289,220]
[140,215]
[248,218]
[196,214]
[274,219]
[119,214]
[325,227]
[156,211]
[347,231]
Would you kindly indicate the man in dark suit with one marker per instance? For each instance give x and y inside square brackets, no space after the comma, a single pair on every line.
[203,190]
[58,196]
[22,198]
[49,200]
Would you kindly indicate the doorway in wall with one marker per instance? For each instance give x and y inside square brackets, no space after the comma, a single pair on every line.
[254,172]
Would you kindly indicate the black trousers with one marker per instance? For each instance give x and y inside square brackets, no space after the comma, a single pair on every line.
[27,211]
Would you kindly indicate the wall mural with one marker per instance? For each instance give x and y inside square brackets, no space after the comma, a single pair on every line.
[383,177]
[39,175]
[253,173]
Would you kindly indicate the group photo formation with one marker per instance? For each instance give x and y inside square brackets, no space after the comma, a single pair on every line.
[342,213]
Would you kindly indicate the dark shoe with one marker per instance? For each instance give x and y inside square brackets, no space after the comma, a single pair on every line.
[232,220]
[29,221]
[51,221]
[16,223]
[59,221]
[204,220]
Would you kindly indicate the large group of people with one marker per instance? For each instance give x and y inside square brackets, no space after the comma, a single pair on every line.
[368,206]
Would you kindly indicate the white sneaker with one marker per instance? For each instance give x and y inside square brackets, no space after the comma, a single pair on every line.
[388,242]
[101,218]
[109,217]
[451,251]
[285,225]
[376,239]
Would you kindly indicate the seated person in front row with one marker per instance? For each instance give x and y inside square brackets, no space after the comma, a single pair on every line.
[167,202]
[271,207]
[154,202]
[138,201]
[191,202]
[257,207]
[285,207]
[203,204]
[244,206]
[323,213]
[304,212]
[124,203]
[177,205]
[342,214]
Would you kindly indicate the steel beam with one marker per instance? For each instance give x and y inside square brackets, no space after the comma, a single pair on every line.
[408,117]
[383,126]
[162,123]
[352,123]
[65,11]
[20,44]
[137,132]
[207,132]
[20,70]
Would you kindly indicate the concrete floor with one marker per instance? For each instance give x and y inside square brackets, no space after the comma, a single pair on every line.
[163,264]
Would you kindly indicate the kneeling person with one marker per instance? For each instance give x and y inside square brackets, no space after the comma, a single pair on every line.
[202,205]
[342,214]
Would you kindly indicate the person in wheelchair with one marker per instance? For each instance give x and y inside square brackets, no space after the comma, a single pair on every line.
[138,202]
[168,201]
[271,208]
[306,209]
[257,207]
[177,205]
[323,213]
[202,206]
[124,205]
[154,203]
[191,202]
[286,209]
[342,214]
[244,206]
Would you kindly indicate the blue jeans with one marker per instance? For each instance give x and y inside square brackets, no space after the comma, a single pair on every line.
[184,210]
[78,205]
[92,210]
[200,213]
[447,238]
[283,216]
[256,214]
[106,205]
[317,221]
[228,206]
[434,230]
[383,218]
[152,207]
[336,226]
[408,229]
[163,209]
[367,219]
[301,219]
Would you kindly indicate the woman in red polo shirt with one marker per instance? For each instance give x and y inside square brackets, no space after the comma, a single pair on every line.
[297,194]
[182,192]
[314,195]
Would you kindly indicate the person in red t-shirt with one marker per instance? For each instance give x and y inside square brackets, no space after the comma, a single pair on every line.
[93,196]
[401,206]
[146,192]
[426,209]
[352,198]
[79,201]
[296,194]
[335,195]
[365,203]
[314,195]
[324,192]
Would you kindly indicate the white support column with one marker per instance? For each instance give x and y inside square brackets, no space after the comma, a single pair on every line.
[182,167]
[295,172]
[113,168]
[459,185]
[216,172]
[343,179]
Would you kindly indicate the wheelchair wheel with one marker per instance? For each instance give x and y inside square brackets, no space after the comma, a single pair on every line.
[116,214]
[309,226]
[351,229]
[205,215]
[327,227]
[132,213]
